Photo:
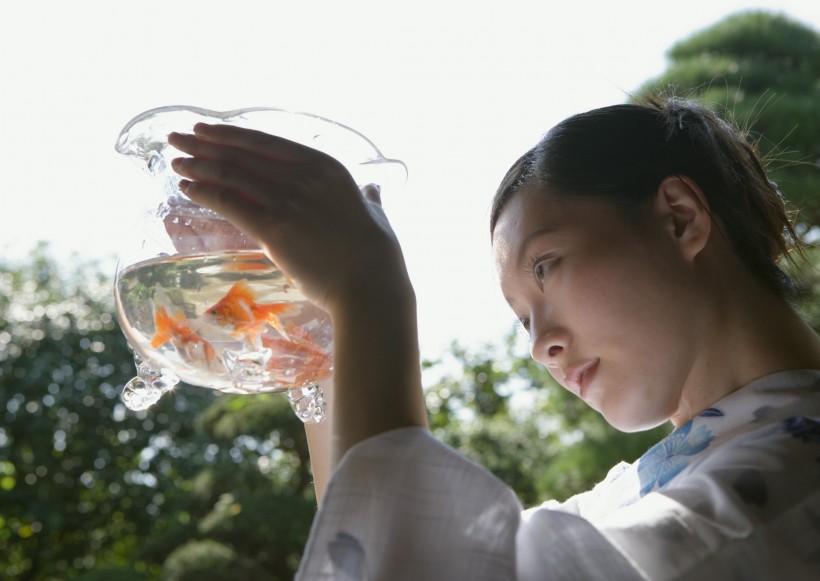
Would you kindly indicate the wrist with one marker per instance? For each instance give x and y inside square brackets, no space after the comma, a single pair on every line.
[378,285]
[377,378]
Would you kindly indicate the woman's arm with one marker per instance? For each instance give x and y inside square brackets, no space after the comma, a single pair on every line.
[377,368]
[319,439]
[377,376]
[305,211]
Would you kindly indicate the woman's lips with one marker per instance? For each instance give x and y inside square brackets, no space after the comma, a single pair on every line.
[578,378]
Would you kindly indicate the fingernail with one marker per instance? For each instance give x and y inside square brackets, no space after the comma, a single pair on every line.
[183,185]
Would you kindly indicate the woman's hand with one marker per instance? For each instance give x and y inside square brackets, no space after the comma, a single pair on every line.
[307,214]
[300,205]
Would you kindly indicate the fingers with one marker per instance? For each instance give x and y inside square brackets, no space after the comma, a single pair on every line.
[222,175]
[263,184]
[223,160]
[272,147]
[223,157]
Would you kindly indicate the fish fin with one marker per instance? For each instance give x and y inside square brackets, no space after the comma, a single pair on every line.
[162,323]
[271,312]
[241,290]
[277,324]
[210,353]
[180,319]
[303,336]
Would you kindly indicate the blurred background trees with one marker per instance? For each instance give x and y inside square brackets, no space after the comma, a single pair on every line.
[207,486]
[87,485]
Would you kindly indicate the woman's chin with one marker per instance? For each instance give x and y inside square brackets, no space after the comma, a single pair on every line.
[624,419]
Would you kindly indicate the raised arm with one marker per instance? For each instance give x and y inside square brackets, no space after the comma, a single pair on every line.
[307,214]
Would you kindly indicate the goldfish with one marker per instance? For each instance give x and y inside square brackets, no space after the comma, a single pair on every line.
[239,309]
[248,262]
[178,332]
[300,350]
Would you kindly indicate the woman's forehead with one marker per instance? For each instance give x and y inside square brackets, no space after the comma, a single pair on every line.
[539,211]
[541,207]
[526,215]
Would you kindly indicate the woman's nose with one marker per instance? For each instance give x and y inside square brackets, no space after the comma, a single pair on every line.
[548,343]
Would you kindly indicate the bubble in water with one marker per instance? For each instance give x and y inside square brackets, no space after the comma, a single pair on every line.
[308,403]
[138,395]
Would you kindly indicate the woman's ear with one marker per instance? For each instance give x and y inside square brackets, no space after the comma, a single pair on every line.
[682,206]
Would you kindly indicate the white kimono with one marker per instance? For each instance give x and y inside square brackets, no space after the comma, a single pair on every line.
[732,495]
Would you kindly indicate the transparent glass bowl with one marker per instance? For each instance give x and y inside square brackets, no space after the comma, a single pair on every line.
[197,299]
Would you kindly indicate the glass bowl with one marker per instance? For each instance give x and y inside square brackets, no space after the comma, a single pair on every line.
[197,299]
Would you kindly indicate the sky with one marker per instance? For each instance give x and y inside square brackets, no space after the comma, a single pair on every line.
[455,89]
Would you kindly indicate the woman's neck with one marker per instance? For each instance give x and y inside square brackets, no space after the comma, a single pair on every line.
[750,333]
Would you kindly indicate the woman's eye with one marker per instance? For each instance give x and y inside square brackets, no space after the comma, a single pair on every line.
[524,323]
[540,270]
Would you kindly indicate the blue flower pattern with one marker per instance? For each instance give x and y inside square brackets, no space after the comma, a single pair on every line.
[803,428]
[670,456]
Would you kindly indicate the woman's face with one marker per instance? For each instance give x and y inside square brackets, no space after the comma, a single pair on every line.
[608,302]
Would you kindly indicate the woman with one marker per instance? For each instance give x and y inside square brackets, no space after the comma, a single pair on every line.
[639,247]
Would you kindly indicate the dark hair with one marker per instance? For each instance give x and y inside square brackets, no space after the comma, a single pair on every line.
[623,152]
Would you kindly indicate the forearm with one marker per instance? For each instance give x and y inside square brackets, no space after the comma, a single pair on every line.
[319,438]
[377,381]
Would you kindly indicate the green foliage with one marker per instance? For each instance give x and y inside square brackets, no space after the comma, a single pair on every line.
[807,276]
[201,560]
[91,490]
[210,487]
[773,37]
[763,71]
[110,574]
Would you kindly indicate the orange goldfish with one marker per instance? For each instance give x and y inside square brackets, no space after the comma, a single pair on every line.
[240,310]
[247,262]
[315,363]
[178,332]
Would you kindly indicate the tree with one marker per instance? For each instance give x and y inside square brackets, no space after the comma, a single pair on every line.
[206,486]
[76,485]
[760,69]
[90,490]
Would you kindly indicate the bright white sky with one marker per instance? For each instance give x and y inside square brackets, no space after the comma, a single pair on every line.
[456,89]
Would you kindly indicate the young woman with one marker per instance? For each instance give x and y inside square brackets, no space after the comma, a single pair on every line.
[639,245]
